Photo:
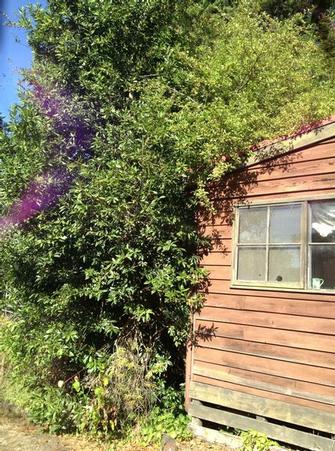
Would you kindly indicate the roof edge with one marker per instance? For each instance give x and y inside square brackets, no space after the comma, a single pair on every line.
[287,145]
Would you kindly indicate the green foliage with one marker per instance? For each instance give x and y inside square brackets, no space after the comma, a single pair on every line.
[121,392]
[117,391]
[317,12]
[256,441]
[167,417]
[163,421]
[141,105]
[2,123]
[286,8]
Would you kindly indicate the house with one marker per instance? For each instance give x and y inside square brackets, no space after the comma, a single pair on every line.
[263,355]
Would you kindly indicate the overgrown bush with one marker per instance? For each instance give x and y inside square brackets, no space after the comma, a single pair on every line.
[120,393]
[131,111]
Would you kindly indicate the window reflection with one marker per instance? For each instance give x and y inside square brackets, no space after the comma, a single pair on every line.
[322,255]
[253,225]
[323,222]
[285,223]
[323,267]
[251,263]
[272,248]
[284,264]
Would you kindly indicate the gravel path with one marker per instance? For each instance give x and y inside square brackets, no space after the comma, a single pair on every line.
[17,434]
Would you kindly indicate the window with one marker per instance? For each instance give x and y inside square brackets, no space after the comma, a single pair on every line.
[288,245]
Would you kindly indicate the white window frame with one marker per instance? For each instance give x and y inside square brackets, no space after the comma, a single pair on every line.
[305,246]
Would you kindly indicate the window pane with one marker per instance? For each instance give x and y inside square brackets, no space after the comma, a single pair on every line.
[251,263]
[285,223]
[253,225]
[284,264]
[323,267]
[323,222]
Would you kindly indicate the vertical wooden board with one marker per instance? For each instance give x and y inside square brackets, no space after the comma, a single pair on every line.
[188,375]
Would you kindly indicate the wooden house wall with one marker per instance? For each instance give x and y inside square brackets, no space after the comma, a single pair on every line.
[274,347]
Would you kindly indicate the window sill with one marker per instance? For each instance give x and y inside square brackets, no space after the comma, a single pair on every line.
[239,286]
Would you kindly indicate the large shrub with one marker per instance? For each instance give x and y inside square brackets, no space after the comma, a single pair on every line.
[131,108]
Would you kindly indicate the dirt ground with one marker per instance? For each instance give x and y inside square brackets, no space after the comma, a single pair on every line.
[16,434]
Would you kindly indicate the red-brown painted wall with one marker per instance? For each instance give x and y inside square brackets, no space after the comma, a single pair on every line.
[278,345]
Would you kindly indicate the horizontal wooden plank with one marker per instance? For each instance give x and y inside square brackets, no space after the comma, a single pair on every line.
[280,337]
[270,408]
[268,319]
[220,244]
[221,230]
[317,309]
[277,432]
[292,185]
[296,371]
[315,152]
[292,400]
[294,169]
[294,193]
[224,287]
[288,147]
[217,258]
[229,441]
[274,384]
[289,354]
[278,182]
[218,272]
[300,166]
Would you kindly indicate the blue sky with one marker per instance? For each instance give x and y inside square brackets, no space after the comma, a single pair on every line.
[15,53]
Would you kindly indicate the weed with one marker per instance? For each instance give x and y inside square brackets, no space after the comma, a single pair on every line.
[256,441]
[168,417]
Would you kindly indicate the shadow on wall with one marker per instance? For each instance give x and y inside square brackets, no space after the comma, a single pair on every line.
[234,187]
[232,190]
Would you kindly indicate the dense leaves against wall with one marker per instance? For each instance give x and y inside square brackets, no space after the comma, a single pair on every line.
[131,108]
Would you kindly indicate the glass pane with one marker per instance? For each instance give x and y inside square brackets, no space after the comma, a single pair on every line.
[323,222]
[284,264]
[285,223]
[251,263]
[253,225]
[323,267]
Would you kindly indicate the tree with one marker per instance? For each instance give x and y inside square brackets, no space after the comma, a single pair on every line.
[320,13]
[132,109]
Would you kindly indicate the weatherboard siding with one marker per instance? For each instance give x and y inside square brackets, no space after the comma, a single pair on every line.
[275,345]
